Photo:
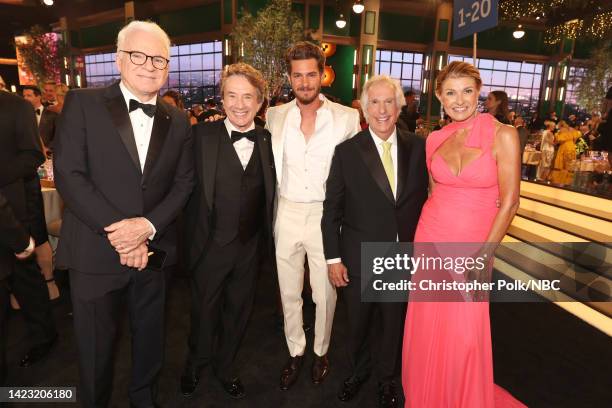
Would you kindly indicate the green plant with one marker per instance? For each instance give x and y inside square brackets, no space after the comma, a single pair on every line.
[41,54]
[263,40]
[597,79]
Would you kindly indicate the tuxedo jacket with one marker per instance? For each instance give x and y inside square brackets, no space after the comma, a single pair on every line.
[199,213]
[20,150]
[46,126]
[359,204]
[98,174]
[345,121]
[13,237]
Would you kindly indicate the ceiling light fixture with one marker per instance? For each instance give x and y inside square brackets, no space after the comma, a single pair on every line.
[48,2]
[358,6]
[519,32]
[341,21]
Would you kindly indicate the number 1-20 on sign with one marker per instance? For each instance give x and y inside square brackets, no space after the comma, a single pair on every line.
[479,9]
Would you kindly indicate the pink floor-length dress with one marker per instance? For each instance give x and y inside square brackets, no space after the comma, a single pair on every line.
[447,359]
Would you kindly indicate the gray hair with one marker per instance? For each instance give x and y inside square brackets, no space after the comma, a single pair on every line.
[378,79]
[149,27]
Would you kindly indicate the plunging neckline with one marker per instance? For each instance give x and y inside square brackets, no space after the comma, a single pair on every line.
[463,169]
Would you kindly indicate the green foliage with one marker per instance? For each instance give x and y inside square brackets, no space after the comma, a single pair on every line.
[41,54]
[597,79]
[262,41]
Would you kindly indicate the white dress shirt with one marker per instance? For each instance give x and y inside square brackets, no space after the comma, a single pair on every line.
[244,147]
[378,142]
[306,164]
[142,126]
[38,111]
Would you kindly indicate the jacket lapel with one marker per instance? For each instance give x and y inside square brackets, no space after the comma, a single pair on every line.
[263,144]
[372,160]
[115,104]
[210,152]
[161,124]
[403,162]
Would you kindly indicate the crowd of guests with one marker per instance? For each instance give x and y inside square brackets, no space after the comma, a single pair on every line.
[303,179]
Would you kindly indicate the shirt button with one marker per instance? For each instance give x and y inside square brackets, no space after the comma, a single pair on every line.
[306,188]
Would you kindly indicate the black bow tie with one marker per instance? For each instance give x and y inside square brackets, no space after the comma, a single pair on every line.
[147,108]
[236,136]
[38,111]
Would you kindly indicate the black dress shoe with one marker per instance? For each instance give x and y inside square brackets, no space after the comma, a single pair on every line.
[234,388]
[290,372]
[189,381]
[350,388]
[387,395]
[320,369]
[37,353]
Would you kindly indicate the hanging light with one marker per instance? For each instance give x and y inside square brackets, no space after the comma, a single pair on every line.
[341,21]
[358,6]
[48,2]
[519,32]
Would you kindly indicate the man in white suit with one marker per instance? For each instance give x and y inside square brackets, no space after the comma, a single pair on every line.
[305,133]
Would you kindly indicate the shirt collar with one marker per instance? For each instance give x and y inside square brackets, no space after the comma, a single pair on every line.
[127,95]
[230,127]
[379,141]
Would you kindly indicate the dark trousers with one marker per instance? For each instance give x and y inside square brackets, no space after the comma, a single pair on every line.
[362,320]
[223,290]
[29,287]
[4,300]
[96,322]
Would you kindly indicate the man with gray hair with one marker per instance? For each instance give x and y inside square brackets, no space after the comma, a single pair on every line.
[124,167]
[385,165]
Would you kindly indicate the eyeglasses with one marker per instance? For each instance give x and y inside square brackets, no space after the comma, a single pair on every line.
[140,58]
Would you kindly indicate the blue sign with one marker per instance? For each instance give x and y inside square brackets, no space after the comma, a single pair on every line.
[473,16]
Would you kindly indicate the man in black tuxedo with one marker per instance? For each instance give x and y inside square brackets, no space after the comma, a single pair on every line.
[14,242]
[20,156]
[376,188]
[46,118]
[228,215]
[124,167]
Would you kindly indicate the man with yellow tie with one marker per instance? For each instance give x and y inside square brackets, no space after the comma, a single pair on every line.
[375,191]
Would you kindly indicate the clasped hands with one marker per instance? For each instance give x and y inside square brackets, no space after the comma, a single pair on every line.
[129,238]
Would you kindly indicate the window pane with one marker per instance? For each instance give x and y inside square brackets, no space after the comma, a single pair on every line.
[499,78]
[183,49]
[514,66]
[408,57]
[502,65]
[385,68]
[196,62]
[528,67]
[512,78]
[486,76]
[418,58]
[173,50]
[397,57]
[208,61]
[484,63]
[526,80]
[385,56]
[417,72]
[396,70]
[208,47]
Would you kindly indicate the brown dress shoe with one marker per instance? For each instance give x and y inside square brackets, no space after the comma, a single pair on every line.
[290,372]
[320,369]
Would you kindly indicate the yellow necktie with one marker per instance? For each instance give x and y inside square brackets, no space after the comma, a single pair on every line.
[387,162]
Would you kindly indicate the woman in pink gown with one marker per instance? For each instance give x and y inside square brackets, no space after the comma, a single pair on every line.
[474,181]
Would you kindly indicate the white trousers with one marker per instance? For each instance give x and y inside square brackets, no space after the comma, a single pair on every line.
[297,232]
